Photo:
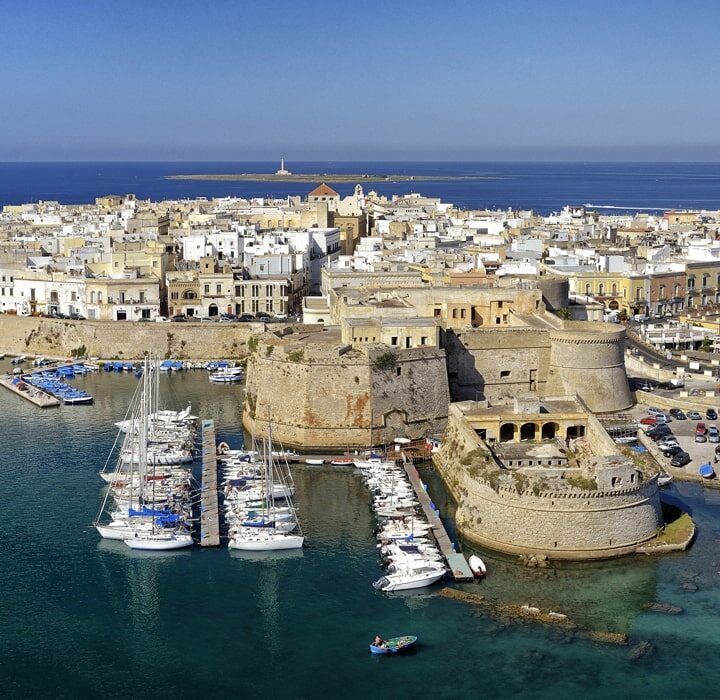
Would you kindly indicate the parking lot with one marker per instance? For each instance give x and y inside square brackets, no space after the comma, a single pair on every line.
[684,431]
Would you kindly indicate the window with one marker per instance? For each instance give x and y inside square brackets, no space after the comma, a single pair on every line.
[398,371]
[662,291]
[691,282]
[455,313]
[393,340]
[207,289]
[462,313]
[437,312]
[173,295]
[423,340]
[504,373]
[587,290]
[500,305]
[142,298]
[614,289]
[218,289]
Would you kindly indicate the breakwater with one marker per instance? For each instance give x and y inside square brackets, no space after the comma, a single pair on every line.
[126,340]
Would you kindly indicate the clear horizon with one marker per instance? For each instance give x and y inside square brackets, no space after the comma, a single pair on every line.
[490,81]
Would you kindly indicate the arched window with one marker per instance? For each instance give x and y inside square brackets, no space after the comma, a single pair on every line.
[587,290]
[189,294]
[614,289]
[601,289]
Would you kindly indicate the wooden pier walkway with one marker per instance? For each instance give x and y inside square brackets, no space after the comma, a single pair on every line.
[34,395]
[459,568]
[209,511]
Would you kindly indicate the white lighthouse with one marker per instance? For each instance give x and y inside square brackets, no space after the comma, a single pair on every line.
[282,170]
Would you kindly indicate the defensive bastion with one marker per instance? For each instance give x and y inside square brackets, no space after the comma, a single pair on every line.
[604,514]
[322,394]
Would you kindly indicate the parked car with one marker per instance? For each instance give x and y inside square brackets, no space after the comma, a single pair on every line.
[280,317]
[663,418]
[717,450]
[667,440]
[227,318]
[180,318]
[263,316]
[246,317]
[700,429]
[76,317]
[162,319]
[656,436]
[680,459]
[711,414]
[700,437]
[671,451]
[713,434]
[694,415]
[654,411]
[648,420]
[677,414]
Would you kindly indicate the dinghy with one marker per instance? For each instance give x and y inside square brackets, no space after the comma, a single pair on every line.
[393,646]
[477,566]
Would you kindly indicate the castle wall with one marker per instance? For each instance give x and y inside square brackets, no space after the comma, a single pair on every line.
[496,363]
[590,364]
[20,335]
[560,523]
[324,396]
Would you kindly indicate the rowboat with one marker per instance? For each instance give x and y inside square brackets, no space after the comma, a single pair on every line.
[341,462]
[394,645]
[477,566]
[664,479]
[314,462]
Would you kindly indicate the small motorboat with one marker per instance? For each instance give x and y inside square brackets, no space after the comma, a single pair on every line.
[341,462]
[706,471]
[477,566]
[393,646]
[664,479]
[315,462]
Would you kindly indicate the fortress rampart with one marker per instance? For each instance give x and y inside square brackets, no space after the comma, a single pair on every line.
[539,516]
[127,340]
[330,396]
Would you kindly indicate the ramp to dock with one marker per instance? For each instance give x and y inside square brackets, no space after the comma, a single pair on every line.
[459,568]
[209,512]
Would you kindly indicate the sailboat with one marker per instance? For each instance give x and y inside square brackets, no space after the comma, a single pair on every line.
[271,528]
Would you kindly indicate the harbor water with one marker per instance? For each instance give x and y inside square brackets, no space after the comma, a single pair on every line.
[81,617]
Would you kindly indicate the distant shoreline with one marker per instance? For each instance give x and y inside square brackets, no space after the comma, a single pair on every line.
[330,177]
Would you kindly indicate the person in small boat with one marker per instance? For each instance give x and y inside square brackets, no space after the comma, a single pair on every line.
[379,642]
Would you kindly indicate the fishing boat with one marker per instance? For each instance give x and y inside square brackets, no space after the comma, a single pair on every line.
[477,566]
[395,645]
[225,376]
[341,462]
[706,471]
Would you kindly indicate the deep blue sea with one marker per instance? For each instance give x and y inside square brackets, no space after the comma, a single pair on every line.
[544,187]
[85,618]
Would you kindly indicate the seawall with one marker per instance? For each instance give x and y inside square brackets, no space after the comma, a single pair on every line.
[21,335]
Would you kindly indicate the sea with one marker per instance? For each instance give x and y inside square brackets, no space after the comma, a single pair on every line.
[543,187]
[86,618]
[81,617]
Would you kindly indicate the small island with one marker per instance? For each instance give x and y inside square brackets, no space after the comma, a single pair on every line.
[327,177]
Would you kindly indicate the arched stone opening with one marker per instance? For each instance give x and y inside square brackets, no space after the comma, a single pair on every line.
[549,431]
[189,294]
[213,310]
[507,432]
[527,431]
[614,306]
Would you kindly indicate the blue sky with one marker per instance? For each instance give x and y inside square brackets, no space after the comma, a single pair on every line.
[364,80]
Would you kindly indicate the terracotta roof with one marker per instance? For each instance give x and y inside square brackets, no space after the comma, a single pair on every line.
[322,190]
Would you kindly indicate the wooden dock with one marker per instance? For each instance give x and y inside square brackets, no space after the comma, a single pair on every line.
[209,511]
[459,568]
[32,394]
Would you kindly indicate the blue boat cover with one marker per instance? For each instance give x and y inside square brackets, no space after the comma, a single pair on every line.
[237,482]
[145,511]
[706,470]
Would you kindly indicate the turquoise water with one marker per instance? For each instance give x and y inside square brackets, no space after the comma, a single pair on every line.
[80,617]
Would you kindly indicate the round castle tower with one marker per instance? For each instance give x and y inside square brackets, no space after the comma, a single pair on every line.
[588,360]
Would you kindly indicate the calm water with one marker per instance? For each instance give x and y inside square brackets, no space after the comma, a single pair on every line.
[85,618]
[544,187]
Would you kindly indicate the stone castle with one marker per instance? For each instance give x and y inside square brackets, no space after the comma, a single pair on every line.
[391,355]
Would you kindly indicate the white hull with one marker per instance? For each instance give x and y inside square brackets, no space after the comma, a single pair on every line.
[267,544]
[407,582]
[159,543]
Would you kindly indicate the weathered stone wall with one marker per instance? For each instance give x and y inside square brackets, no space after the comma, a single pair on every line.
[560,523]
[496,363]
[22,335]
[591,364]
[325,396]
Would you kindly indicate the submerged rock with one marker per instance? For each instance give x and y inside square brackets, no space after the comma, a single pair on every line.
[665,608]
[640,650]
